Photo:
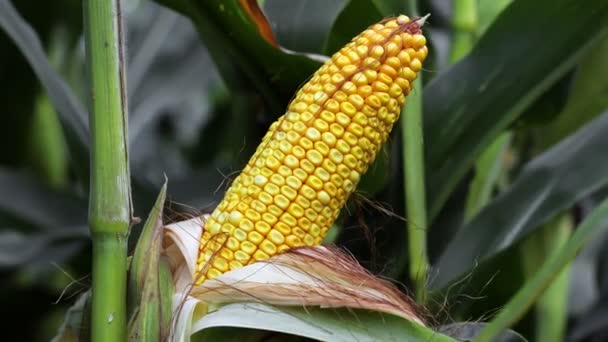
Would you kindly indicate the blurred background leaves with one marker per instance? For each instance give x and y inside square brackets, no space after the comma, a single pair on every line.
[206,79]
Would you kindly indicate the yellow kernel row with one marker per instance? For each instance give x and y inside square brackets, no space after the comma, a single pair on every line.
[313,157]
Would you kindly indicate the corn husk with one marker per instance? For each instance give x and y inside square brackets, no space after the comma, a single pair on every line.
[322,276]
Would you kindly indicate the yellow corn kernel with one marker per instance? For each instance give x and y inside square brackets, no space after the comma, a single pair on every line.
[312,158]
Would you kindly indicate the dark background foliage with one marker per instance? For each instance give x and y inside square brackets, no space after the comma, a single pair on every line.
[203,87]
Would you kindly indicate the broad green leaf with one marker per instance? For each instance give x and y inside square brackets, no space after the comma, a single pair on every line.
[395,7]
[160,24]
[487,170]
[354,18]
[295,27]
[244,57]
[230,334]
[71,112]
[548,184]
[200,189]
[547,106]
[319,324]
[471,103]
[378,176]
[488,11]
[588,97]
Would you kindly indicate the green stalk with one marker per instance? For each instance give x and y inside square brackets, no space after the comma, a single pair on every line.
[110,193]
[550,270]
[464,26]
[47,147]
[551,308]
[48,152]
[413,159]
[414,182]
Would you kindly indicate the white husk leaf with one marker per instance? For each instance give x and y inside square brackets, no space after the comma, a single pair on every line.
[319,276]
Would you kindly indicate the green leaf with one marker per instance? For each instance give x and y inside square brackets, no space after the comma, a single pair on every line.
[18,249]
[71,112]
[377,176]
[588,97]
[143,257]
[533,288]
[488,11]
[551,311]
[245,59]
[319,324]
[548,184]
[487,170]
[151,281]
[395,7]
[470,104]
[32,203]
[296,29]
[354,18]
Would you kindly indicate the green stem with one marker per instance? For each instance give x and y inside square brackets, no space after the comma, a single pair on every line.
[550,270]
[110,193]
[413,158]
[47,147]
[414,182]
[109,287]
[464,26]
[551,308]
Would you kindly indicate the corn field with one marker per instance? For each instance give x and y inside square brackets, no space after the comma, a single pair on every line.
[306,170]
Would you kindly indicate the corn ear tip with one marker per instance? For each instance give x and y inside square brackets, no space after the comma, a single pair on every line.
[421,21]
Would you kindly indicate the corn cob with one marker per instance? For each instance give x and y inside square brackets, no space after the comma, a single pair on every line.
[312,157]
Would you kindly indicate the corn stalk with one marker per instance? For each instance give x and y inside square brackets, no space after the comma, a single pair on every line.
[414,181]
[110,194]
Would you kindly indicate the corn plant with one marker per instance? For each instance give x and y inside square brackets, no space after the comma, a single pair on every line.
[307,170]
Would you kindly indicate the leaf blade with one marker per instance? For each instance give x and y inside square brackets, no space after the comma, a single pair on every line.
[548,184]
[481,95]
[319,324]
[71,111]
